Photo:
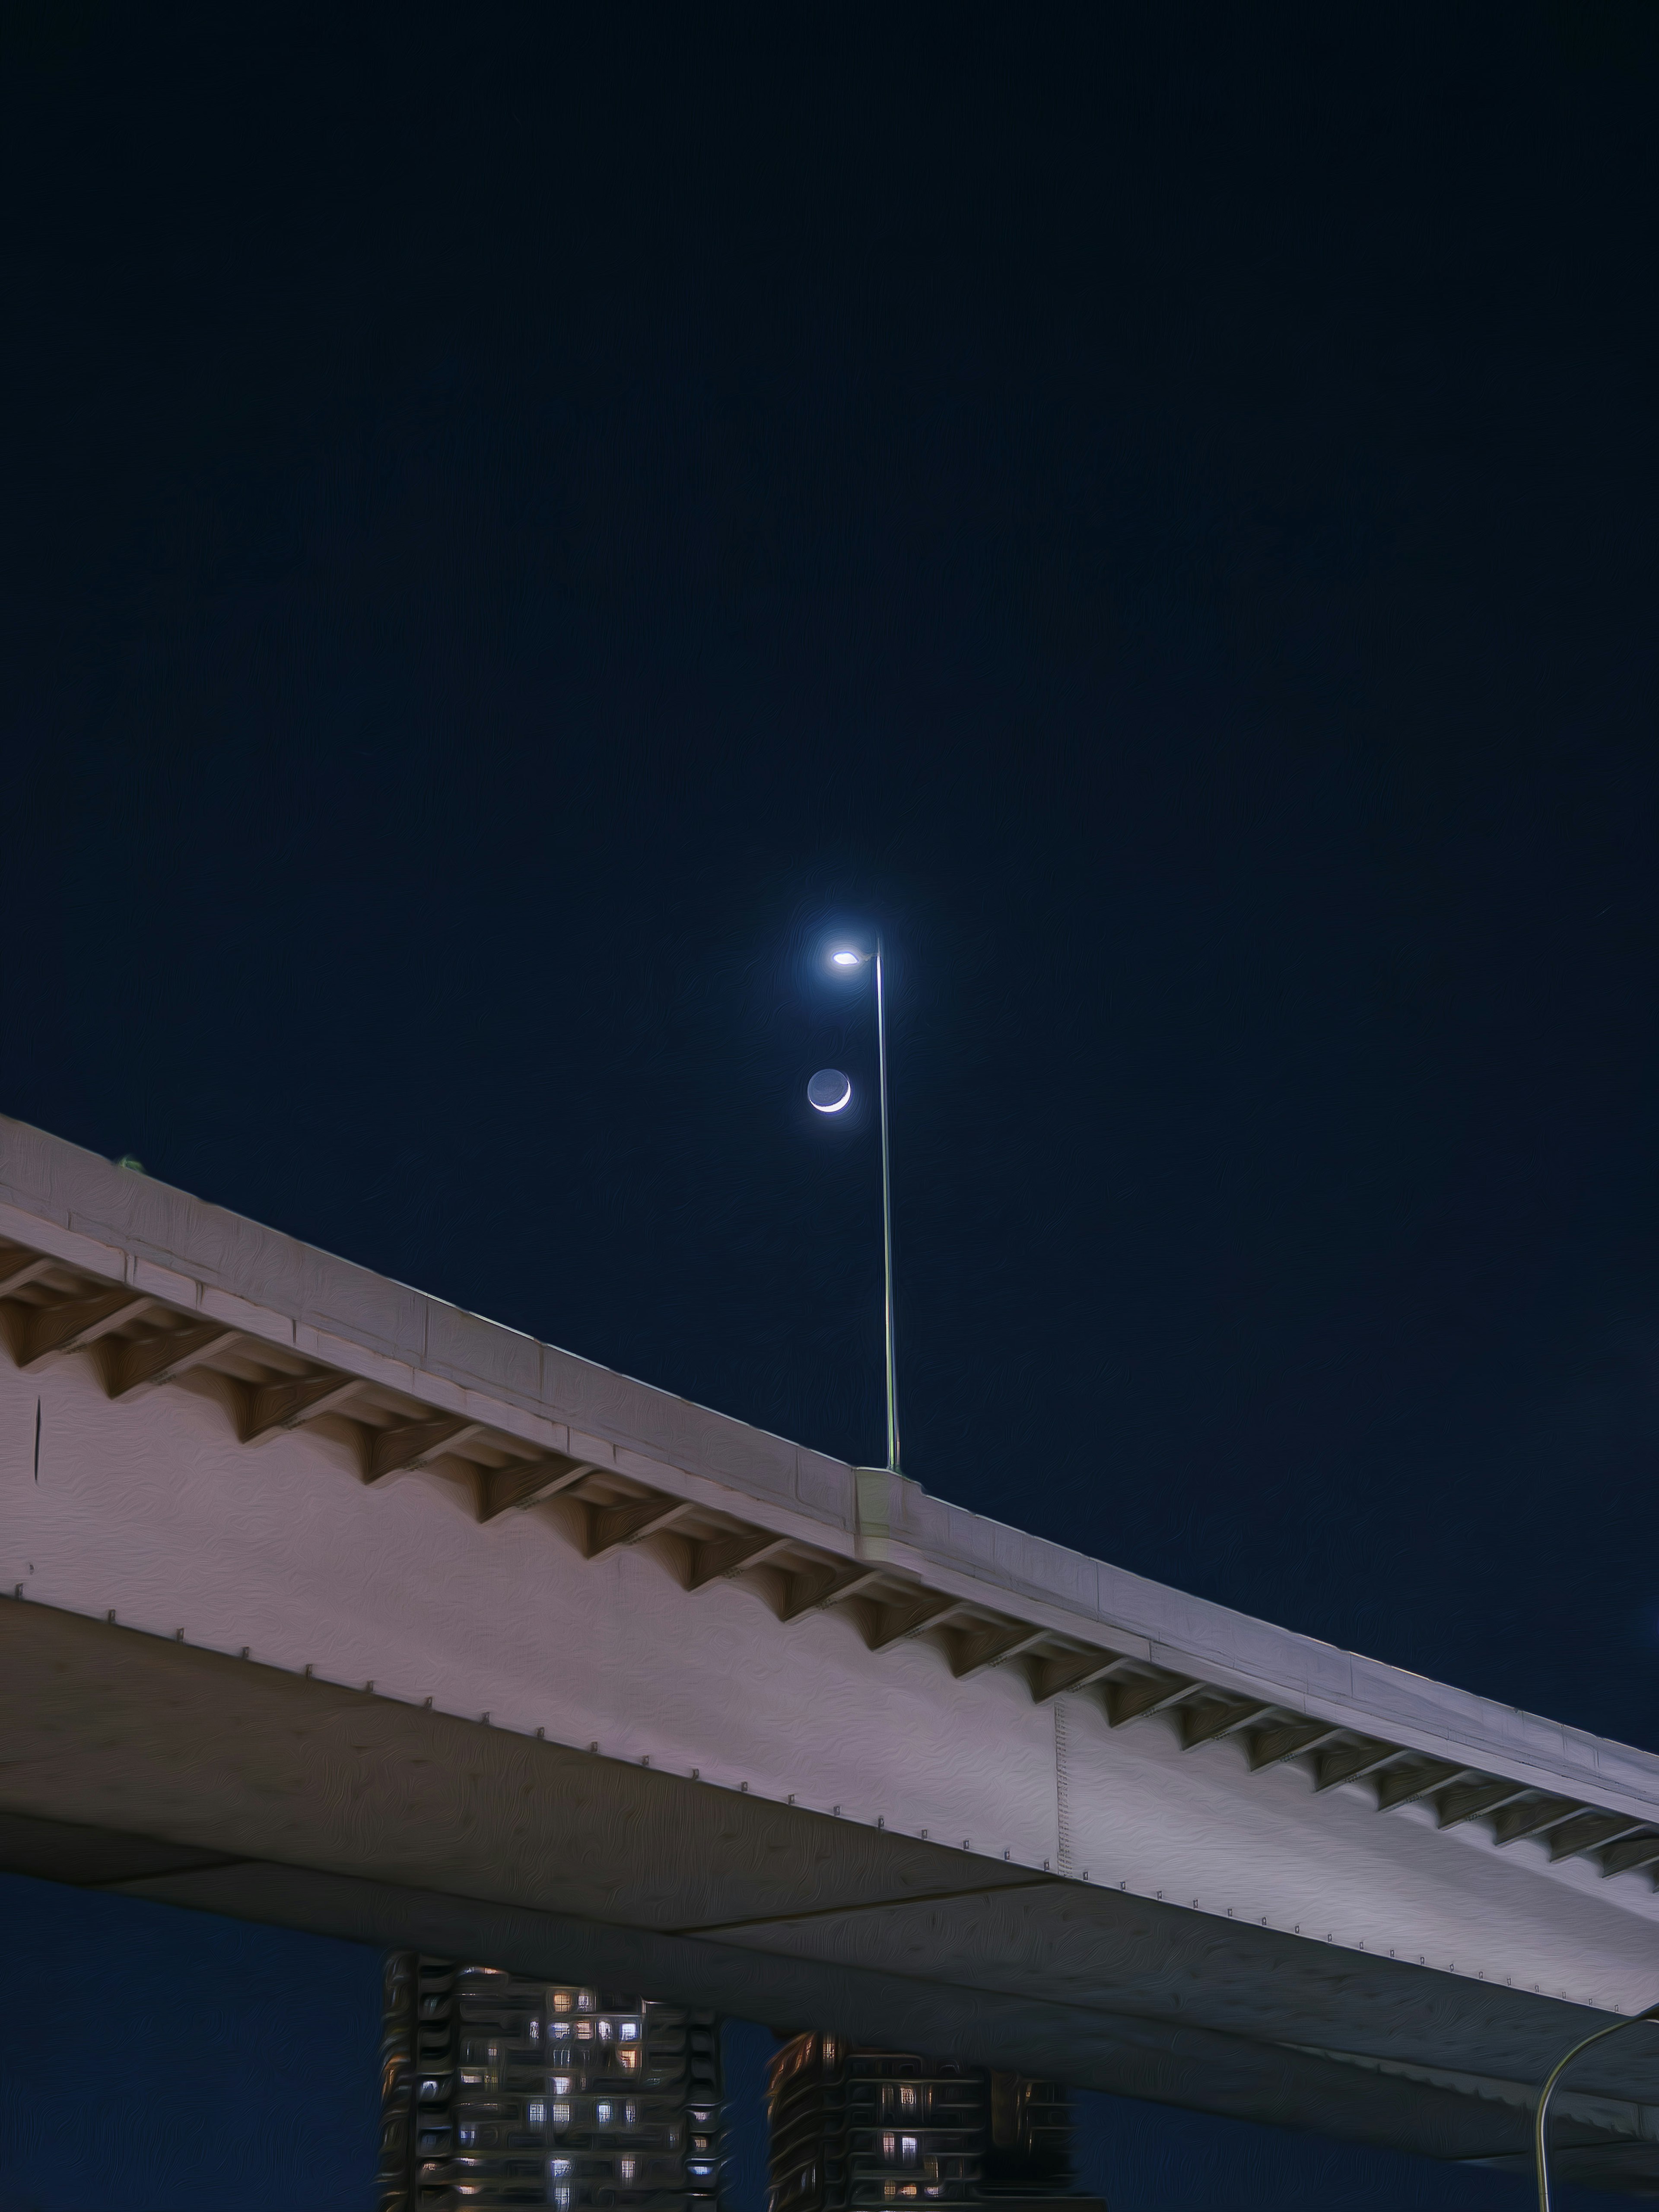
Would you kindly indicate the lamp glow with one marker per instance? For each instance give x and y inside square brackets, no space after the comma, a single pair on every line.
[845,959]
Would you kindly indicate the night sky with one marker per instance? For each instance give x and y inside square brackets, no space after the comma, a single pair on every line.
[521,520]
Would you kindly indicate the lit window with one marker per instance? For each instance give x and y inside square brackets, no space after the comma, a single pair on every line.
[561,2196]
[536,2113]
[907,2151]
[629,2060]
[700,2173]
[584,2031]
[559,2085]
[907,2097]
[561,2029]
[469,2135]
[561,1999]
[535,2031]
[584,2000]
[555,2167]
[630,2113]
[828,2049]
[628,2031]
[561,2116]
[602,2115]
[890,2146]
[606,2031]
[429,2088]
[627,2168]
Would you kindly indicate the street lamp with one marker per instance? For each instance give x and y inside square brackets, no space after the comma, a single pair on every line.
[1540,2118]
[830,1091]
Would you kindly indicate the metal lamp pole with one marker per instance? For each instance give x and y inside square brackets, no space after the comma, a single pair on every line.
[886,1226]
[830,1091]
[1540,2141]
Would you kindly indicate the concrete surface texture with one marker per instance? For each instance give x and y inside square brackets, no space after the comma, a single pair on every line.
[333,1606]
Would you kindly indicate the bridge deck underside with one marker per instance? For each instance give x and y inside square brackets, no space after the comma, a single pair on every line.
[136,1343]
[136,1765]
[857,1760]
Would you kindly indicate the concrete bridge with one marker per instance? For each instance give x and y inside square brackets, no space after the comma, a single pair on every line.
[329,1605]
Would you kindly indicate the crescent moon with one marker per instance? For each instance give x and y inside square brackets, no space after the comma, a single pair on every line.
[835,1104]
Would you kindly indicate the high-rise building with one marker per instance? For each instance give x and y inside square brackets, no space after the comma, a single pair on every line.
[1028,2138]
[497,2091]
[861,2130]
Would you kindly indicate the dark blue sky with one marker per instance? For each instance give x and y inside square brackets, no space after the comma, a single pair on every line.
[518,519]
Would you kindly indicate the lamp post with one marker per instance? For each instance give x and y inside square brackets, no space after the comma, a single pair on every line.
[1540,2137]
[828,1091]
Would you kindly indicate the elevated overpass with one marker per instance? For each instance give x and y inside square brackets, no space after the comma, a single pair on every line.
[327,1604]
